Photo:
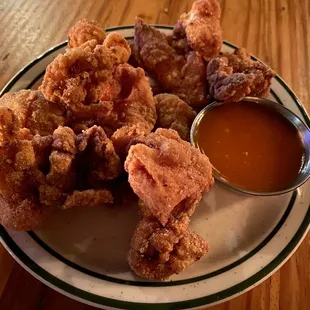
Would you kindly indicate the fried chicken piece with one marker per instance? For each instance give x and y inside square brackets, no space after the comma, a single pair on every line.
[183,76]
[174,113]
[200,29]
[78,79]
[86,198]
[61,177]
[126,100]
[159,251]
[135,61]
[85,30]
[97,158]
[162,248]
[164,170]
[133,104]
[131,111]
[156,55]
[123,136]
[179,41]
[79,162]
[20,176]
[234,76]
[38,174]
[19,205]
[34,112]
[133,98]
[193,89]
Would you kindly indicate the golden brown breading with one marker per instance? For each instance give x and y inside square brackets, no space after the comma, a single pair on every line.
[123,136]
[98,160]
[64,140]
[88,198]
[61,176]
[130,109]
[38,174]
[20,176]
[174,113]
[158,251]
[77,79]
[133,98]
[193,89]
[179,41]
[126,101]
[135,61]
[156,55]
[81,161]
[201,26]
[118,46]
[133,103]
[85,30]
[24,215]
[34,112]
[180,75]
[164,170]
[234,76]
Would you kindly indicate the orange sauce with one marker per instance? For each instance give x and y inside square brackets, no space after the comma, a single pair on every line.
[251,146]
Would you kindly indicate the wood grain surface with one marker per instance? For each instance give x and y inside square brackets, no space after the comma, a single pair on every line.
[276,31]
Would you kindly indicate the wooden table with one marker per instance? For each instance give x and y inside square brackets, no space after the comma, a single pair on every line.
[276,31]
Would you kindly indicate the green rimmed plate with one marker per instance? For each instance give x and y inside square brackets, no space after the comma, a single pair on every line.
[82,252]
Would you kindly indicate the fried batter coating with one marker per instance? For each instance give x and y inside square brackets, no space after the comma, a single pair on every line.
[79,162]
[26,215]
[20,176]
[86,198]
[135,61]
[133,104]
[123,136]
[85,30]
[133,98]
[78,78]
[193,89]
[158,252]
[131,107]
[234,76]
[202,29]
[40,173]
[98,160]
[164,170]
[174,113]
[61,177]
[179,41]
[177,74]
[34,112]
[170,177]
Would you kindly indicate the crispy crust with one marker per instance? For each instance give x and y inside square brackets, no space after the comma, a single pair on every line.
[174,113]
[233,76]
[85,30]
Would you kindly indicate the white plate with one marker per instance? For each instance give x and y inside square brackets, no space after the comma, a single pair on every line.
[82,252]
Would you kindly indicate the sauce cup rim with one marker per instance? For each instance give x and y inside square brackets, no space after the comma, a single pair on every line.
[303,174]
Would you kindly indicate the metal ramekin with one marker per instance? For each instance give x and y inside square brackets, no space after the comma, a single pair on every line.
[302,129]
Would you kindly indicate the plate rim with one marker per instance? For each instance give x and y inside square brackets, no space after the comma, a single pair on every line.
[96,300]
[186,281]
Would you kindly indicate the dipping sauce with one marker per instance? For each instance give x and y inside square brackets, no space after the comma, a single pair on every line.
[251,146]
